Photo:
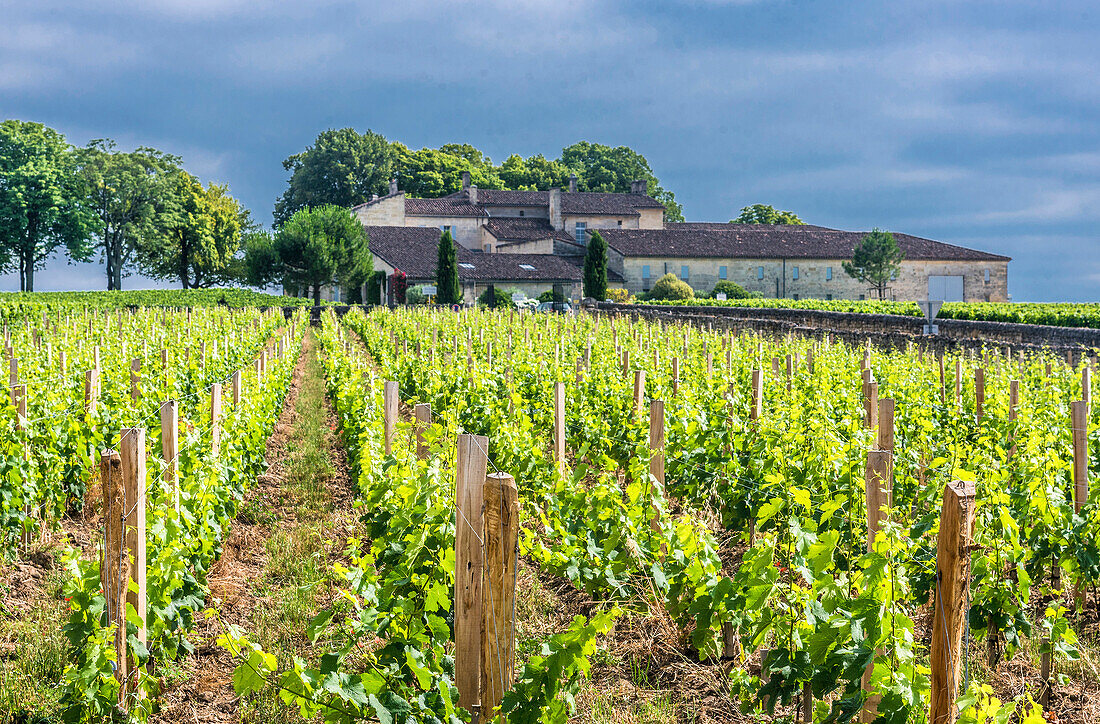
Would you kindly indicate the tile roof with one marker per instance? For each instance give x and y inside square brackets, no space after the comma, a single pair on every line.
[766,241]
[581,202]
[524,229]
[719,225]
[446,206]
[414,250]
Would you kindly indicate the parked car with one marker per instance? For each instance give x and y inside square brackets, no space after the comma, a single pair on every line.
[554,307]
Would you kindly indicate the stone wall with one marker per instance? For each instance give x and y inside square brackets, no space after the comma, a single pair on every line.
[885,330]
[387,211]
[816,278]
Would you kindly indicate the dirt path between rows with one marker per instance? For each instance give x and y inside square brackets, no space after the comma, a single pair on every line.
[204,692]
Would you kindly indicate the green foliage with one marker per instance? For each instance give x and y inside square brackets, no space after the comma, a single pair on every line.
[341,168]
[619,296]
[416,295]
[535,173]
[429,173]
[43,205]
[603,168]
[550,296]
[875,259]
[732,290]
[501,299]
[670,287]
[321,246]
[766,214]
[448,289]
[595,267]
[129,193]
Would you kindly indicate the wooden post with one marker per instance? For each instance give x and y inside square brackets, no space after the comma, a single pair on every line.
[675,375]
[757,395]
[790,371]
[114,567]
[237,389]
[13,372]
[19,396]
[1013,398]
[1079,416]
[870,406]
[389,410]
[639,391]
[135,379]
[943,381]
[1086,386]
[958,382]
[559,425]
[952,593]
[979,392]
[90,391]
[810,360]
[657,442]
[498,636]
[133,475]
[879,486]
[215,417]
[423,414]
[886,424]
[775,366]
[470,468]
[169,445]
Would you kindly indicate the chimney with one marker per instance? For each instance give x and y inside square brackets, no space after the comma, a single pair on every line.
[393,186]
[638,186]
[465,180]
[572,183]
[472,192]
[555,209]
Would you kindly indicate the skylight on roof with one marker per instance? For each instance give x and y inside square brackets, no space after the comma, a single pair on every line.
[528,267]
[464,265]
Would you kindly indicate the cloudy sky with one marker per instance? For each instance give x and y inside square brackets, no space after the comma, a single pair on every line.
[974,123]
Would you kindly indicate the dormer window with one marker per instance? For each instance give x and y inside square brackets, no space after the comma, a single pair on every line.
[528,267]
[579,231]
[465,265]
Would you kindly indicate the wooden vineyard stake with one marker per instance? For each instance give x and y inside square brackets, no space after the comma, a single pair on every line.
[951,596]
[626,363]
[657,450]
[790,371]
[215,417]
[19,397]
[958,382]
[886,424]
[559,426]
[498,635]
[639,392]
[1079,416]
[389,411]
[1086,387]
[423,414]
[943,381]
[470,468]
[979,393]
[1013,398]
[13,372]
[879,485]
[757,395]
[810,360]
[675,375]
[90,391]
[135,379]
[775,366]
[169,445]
[870,406]
[237,389]
[114,566]
[132,451]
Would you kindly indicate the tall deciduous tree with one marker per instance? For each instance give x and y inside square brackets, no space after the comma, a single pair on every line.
[595,268]
[766,214]
[322,246]
[42,202]
[200,238]
[129,193]
[448,289]
[875,259]
[603,168]
[342,168]
[430,172]
[533,174]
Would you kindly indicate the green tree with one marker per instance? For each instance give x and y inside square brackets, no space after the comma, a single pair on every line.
[320,246]
[201,236]
[431,173]
[875,259]
[671,287]
[342,168]
[261,261]
[448,289]
[43,206]
[533,174]
[766,214]
[732,290]
[595,268]
[603,168]
[129,193]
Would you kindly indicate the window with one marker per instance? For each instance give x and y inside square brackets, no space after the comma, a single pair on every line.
[759,272]
[684,274]
[794,272]
[721,272]
[447,229]
[620,223]
[521,212]
[528,267]
[828,273]
[987,276]
[829,297]
[796,297]
[488,247]
[893,276]
[645,271]
[464,265]
[861,297]
[579,231]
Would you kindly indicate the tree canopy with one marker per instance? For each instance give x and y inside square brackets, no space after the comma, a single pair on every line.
[766,214]
[603,168]
[875,259]
[448,290]
[342,167]
[43,206]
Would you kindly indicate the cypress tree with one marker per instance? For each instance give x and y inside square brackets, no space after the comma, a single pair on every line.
[595,268]
[448,290]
